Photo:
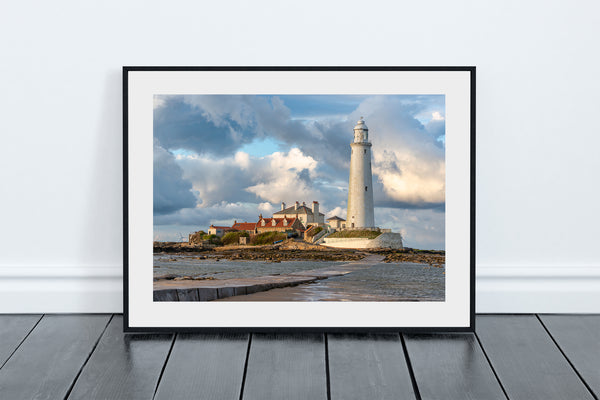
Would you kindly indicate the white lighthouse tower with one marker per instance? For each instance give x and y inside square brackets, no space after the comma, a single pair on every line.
[360,187]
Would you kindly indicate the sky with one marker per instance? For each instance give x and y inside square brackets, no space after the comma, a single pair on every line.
[225,158]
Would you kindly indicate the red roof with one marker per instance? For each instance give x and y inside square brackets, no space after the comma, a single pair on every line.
[244,226]
[278,222]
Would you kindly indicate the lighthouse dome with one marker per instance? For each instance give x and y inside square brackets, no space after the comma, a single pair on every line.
[361,125]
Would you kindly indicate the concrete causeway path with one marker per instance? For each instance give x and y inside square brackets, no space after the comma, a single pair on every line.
[193,290]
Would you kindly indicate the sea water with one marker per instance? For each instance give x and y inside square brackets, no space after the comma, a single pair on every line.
[391,281]
[184,265]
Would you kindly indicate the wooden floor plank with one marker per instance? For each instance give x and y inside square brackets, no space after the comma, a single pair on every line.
[203,366]
[286,366]
[46,364]
[13,329]
[579,338]
[526,360]
[123,366]
[368,366]
[451,366]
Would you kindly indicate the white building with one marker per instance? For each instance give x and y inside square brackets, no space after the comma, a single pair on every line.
[308,216]
[360,186]
[220,231]
[336,222]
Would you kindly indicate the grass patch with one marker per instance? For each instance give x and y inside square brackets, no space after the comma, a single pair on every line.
[267,238]
[233,237]
[312,232]
[366,234]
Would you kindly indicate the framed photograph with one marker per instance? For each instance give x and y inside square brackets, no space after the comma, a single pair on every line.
[299,198]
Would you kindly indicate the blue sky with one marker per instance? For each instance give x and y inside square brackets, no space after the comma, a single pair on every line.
[220,158]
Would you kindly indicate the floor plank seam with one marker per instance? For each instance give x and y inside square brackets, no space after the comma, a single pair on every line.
[88,358]
[567,358]
[162,371]
[491,366]
[327,374]
[246,366]
[21,342]
[411,372]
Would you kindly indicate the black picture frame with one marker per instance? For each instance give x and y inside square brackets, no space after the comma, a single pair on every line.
[128,327]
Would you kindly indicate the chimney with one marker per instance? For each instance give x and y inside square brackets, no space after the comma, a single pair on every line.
[315,207]
[303,204]
[296,206]
[282,206]
[260,216]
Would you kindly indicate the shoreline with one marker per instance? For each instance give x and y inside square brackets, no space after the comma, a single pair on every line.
[215,289]
[292,250]
[313,283]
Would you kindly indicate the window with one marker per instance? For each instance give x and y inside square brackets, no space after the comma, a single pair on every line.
[365,151]
[366,188]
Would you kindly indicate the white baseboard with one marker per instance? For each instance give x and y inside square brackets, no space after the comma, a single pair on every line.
[518,290]
[48,289]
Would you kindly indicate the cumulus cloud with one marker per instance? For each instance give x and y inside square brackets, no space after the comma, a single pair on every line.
[215,179]
[181,125]
[408,161]
[274,178]
[437,116]
[286,176]
[221,125]
[171,191]
[266,208]
[338,211]
[422,229]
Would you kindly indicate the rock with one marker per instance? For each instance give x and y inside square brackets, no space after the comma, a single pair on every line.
[165,276]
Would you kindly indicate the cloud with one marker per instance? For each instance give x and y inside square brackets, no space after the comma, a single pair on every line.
[421,229]
[171,191]
[215,179]
[178,124]
[159,101]
[339,211]
[285,177]
[408,162]
[408,157]
[266,208]
[221,125]
[437,116]
[178,225]
[281,176]
[206,133]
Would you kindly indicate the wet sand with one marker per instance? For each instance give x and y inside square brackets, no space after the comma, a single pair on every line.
[350,286]
[306,292]
[206,290]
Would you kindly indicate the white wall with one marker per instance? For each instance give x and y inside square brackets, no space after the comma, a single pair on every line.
[538,97]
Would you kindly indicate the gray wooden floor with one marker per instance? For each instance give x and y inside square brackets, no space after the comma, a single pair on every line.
[510,356]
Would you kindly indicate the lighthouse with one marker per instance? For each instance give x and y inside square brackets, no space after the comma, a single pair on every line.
[360,186]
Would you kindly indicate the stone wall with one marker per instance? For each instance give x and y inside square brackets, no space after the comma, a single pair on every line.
[388,240]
